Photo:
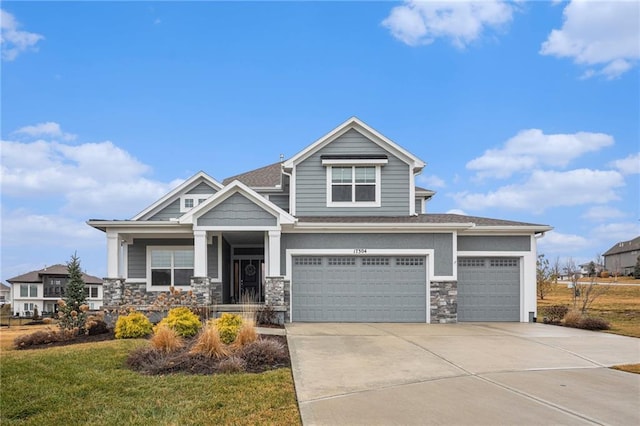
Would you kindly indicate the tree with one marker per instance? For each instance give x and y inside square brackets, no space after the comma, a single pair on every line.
[544,277]
[592,269]
[72,310]
[584,292]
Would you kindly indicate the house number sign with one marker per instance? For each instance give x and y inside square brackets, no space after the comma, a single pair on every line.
[360,251]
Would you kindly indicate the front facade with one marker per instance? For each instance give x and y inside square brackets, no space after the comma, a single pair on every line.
[339,232]
[42,289]
[622,257]
[5,294]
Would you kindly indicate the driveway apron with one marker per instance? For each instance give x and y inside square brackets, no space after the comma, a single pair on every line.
[462,374]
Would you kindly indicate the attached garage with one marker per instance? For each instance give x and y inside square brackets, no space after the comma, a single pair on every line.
[488,289]
[359,288]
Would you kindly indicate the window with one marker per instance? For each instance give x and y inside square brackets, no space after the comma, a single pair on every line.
[28,290]
[171,266]
[353,185]
[187,202]
[91,291]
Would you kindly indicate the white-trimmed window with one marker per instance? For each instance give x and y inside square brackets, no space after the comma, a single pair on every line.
[91,291]
[353,186]
[28,290]
[187,202]
[169,266]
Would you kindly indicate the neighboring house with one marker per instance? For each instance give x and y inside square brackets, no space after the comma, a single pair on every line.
[622,257]
[43,289]
[5,294]
[335,233]
[584,268]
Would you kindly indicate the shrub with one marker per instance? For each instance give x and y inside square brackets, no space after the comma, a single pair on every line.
[233,364]
[184,322]
[228,326]
[209,344]
[573,319]
[267,316]
[604,274]
[594,323]
[166,339]
[263,354]
[96,325]
[40,337]
[246,335]
[133,325]
[555,313]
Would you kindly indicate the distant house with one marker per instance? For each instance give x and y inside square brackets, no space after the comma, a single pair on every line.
[584,268]
[5,294]
[43,289]
[622,257]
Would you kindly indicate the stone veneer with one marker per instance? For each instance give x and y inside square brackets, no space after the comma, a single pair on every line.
[117,292]
[276,295]
[444,302]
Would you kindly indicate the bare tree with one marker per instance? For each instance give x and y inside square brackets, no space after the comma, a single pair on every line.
[584,292]
[544,277]
[556,270]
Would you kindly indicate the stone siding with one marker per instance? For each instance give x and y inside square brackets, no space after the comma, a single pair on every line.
[444,302]
[276,295]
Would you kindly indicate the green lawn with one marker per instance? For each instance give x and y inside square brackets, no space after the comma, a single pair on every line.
[89,384]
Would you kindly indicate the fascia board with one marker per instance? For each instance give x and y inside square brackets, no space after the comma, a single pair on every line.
[378,227]
[183,187]
[518,229]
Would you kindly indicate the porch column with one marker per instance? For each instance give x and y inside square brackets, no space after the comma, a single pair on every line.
[274,253]
[113,254]
[199,253]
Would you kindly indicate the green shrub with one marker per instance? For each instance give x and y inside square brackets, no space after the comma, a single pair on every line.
[132,326]
[555,313]
[184,322]
[228,326]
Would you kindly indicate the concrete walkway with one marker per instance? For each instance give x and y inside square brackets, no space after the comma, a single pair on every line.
[462,374]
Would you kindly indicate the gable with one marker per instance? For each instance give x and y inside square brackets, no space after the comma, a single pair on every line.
[202,188]
[237,210]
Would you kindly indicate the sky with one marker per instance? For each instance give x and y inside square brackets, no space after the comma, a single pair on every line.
[526,111]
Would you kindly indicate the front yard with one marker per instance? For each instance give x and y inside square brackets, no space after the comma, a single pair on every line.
[89,383]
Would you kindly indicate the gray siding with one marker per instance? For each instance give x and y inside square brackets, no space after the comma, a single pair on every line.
[311,181]
[281,201]
[226,272]
[203,188]
[623,263]
[499,243]
[419,202]
[137,254]
[237,210]
[441,243]
[172,210]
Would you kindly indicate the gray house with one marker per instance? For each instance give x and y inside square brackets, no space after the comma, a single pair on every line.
[339,232]
[622,257]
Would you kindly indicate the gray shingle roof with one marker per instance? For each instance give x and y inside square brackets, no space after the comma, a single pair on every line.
[435,218]
[624,246]
[36,276]
[264,177]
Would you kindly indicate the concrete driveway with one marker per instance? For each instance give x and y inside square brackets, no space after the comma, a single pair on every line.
[462,374]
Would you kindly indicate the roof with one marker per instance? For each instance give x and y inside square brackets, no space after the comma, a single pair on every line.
[432,218]
[4,287]
[59,269]
[264,177]
[624,247]
[424,191]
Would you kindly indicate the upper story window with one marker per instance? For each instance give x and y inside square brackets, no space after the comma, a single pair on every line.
[28,290]
[187,202]
[353,186]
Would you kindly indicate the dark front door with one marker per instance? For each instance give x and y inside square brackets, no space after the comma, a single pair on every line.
[250,279]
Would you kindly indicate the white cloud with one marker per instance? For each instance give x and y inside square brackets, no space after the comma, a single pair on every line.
[50,129]
[629,165]
[96,179]
[13,40]
[547,189]
[420,22]
[602,213]
[431,181]
[602,34]
[457,211]
[615,232]
[555,242]
[531,148]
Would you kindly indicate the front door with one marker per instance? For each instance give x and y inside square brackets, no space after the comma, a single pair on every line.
[250,279]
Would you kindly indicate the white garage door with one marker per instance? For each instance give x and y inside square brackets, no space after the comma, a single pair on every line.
[488,289]
[359,289]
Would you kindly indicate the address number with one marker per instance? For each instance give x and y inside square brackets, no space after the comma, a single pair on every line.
[360,251]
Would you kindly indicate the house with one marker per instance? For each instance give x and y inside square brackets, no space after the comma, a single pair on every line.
[586,271]
[338,232]
[622,257]
[5,294]
[43,288]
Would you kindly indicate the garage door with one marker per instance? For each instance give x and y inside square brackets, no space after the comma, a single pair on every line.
[359,289]
[488,289]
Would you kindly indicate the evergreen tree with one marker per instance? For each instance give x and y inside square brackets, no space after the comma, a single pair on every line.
[72,313]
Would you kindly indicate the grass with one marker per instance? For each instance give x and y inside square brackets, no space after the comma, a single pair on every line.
[8,334]
[90,382]
[618,306]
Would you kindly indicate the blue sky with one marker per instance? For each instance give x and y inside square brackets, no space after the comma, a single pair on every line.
[526,111]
